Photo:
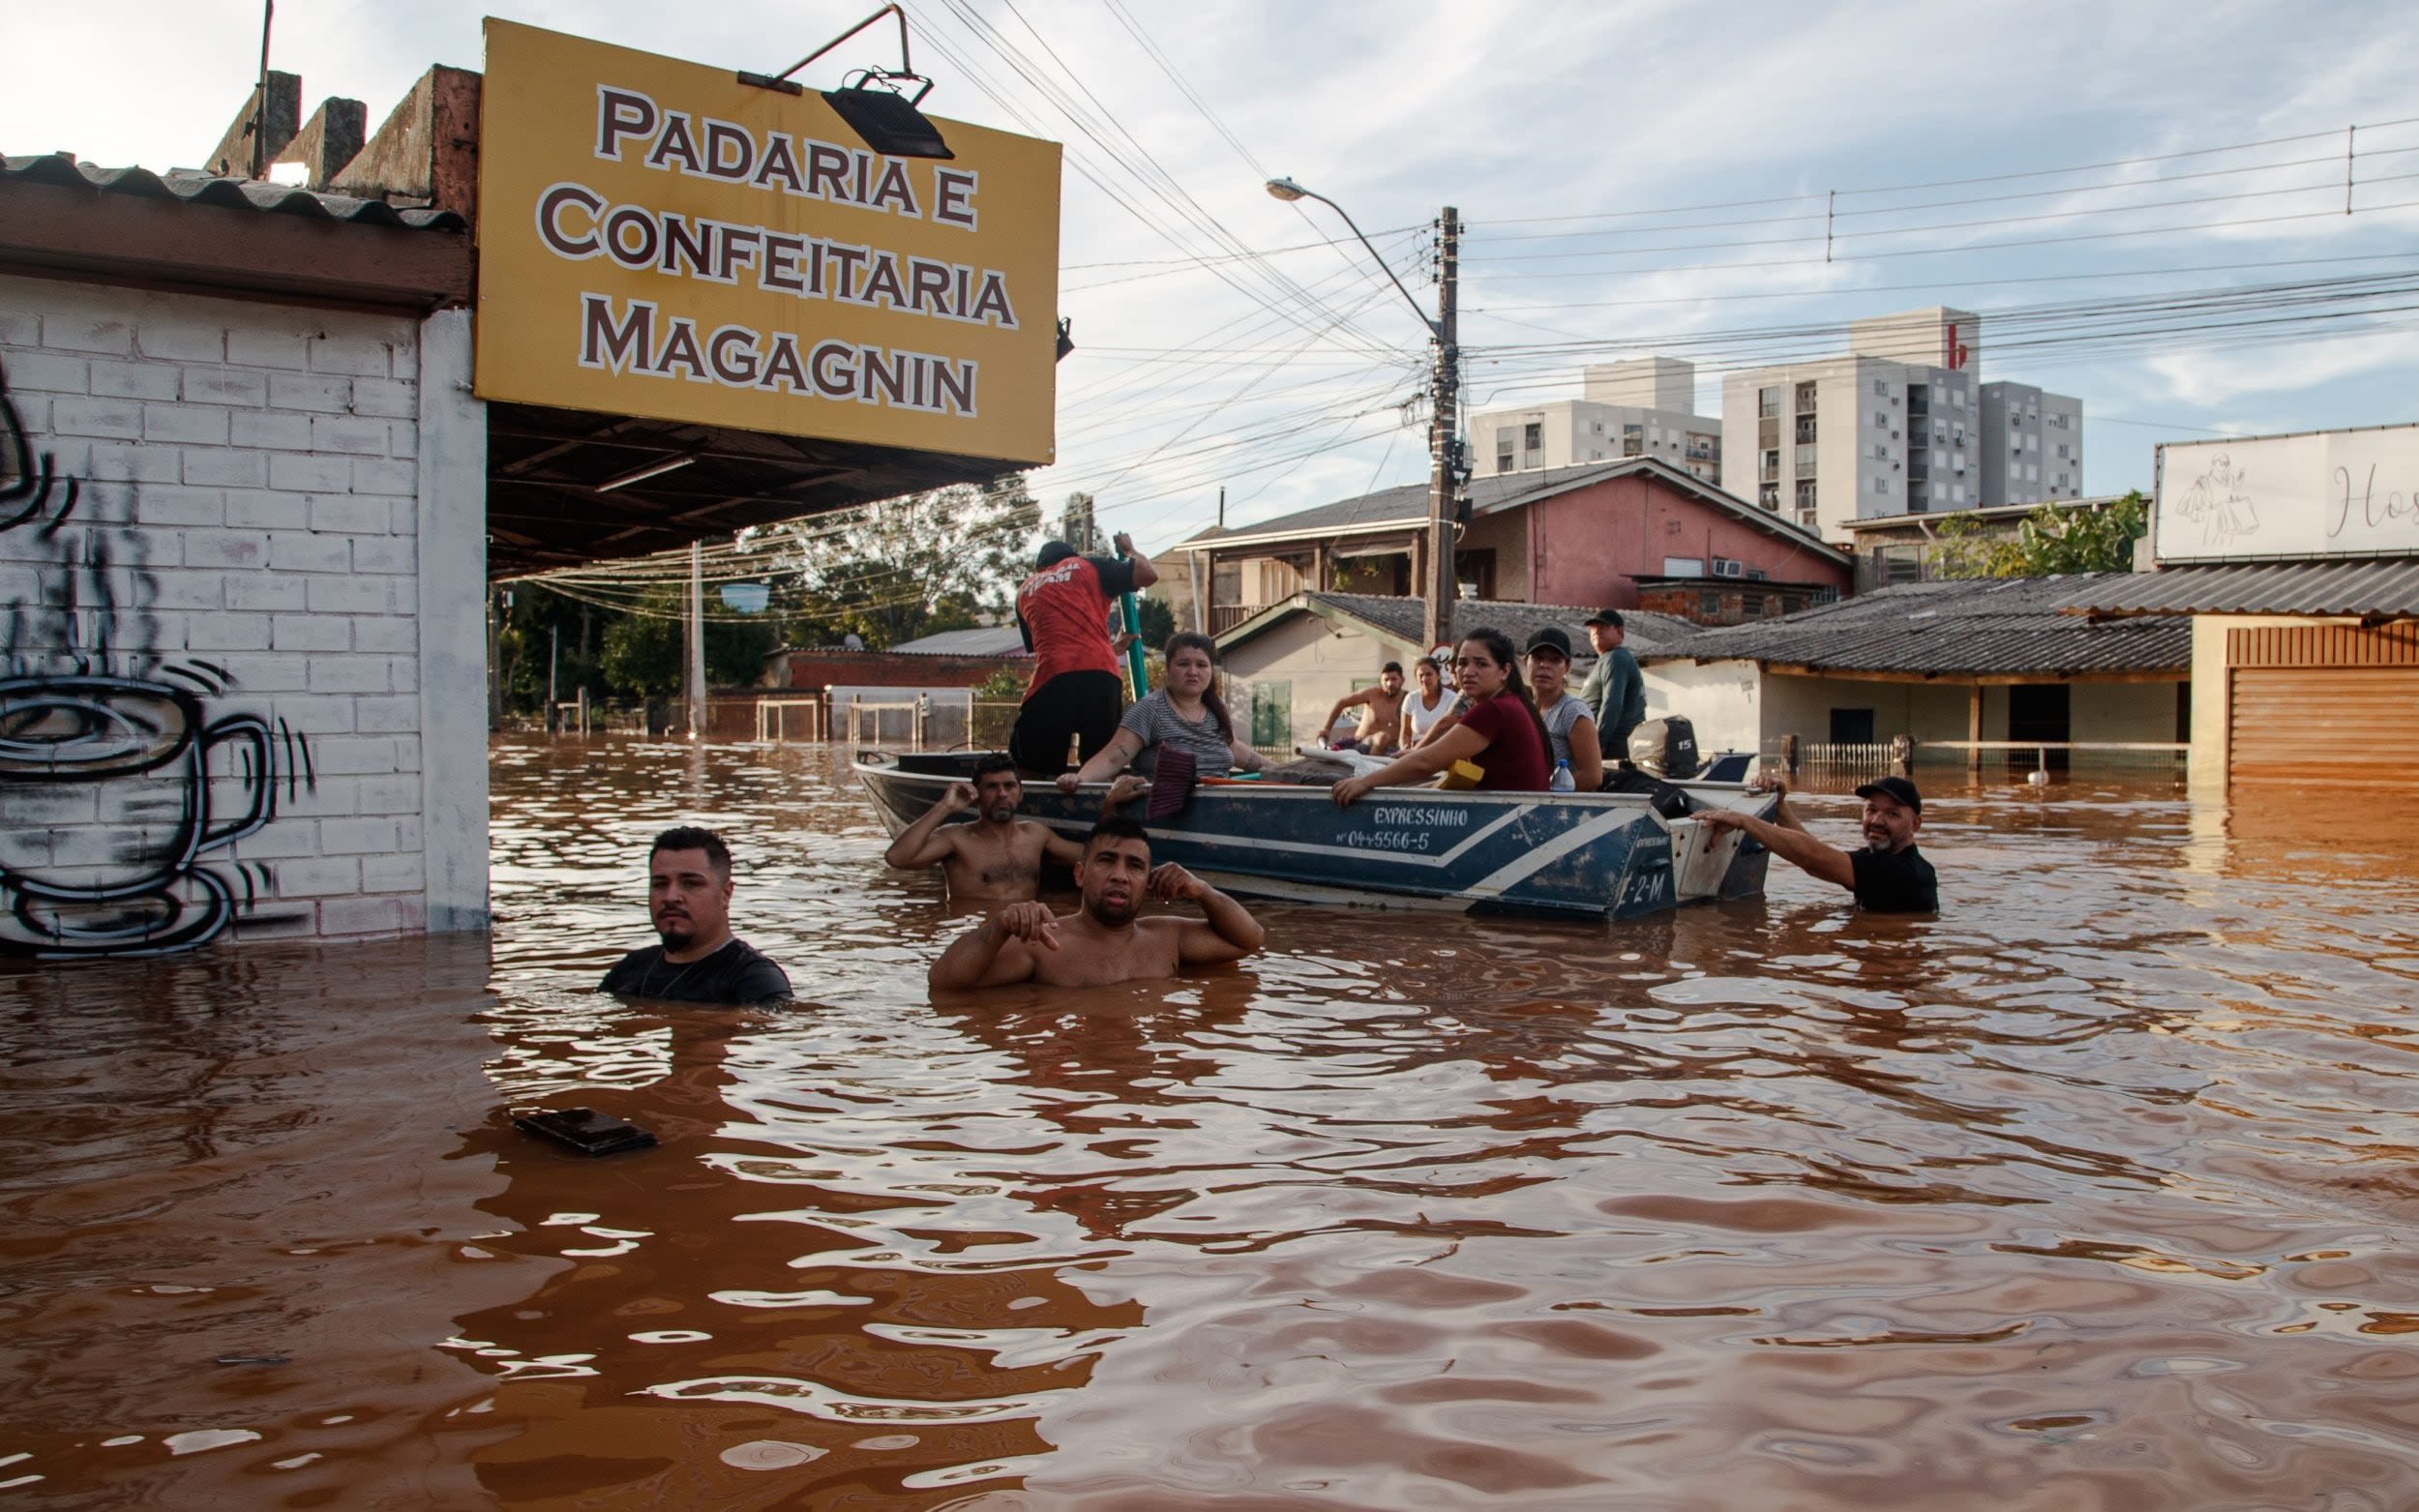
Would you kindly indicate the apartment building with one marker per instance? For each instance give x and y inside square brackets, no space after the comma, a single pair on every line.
[1899,425]
[1645,407]
[2033,450]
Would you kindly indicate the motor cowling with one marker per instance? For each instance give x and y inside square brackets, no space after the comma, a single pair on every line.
[1665,748]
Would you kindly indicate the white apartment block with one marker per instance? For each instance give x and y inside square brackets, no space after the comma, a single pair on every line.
[1901,424]
[1640,408]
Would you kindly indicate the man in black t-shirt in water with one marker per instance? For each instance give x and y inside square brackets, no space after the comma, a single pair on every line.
[1889,875]
[700,961]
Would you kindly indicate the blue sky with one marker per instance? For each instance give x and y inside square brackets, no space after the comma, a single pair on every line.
[1610,159]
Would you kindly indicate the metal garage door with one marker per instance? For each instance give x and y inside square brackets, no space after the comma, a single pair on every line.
[2325,724]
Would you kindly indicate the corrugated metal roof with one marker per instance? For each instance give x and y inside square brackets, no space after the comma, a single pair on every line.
[1408,505]
[1402,617]
[63,171]
[981,641]
[2364,587]
[1968,628]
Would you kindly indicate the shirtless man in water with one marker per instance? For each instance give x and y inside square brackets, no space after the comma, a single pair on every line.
[1104,941]
[996,859]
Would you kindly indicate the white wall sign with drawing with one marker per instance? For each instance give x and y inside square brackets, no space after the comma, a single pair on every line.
[2324,494]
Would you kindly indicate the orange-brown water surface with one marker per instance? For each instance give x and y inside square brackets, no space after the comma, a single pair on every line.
[2096,1192]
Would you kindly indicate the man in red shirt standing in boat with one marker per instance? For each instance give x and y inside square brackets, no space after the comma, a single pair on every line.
[1063,612]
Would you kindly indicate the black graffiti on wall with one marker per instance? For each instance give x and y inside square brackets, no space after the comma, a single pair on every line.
[29,485]
[120,774]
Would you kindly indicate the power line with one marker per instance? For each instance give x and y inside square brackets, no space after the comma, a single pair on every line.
[1960,183]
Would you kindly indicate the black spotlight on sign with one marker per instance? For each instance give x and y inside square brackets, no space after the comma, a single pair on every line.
[889,122]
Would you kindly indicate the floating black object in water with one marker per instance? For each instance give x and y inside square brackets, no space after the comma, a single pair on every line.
[585,1130]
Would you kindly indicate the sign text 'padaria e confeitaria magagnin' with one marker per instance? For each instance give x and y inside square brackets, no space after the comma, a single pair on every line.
[709,238]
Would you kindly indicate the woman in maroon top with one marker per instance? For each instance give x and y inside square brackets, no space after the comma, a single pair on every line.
[1499,731]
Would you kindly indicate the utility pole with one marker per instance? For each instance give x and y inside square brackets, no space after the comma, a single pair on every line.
[697,642]
[1443,455]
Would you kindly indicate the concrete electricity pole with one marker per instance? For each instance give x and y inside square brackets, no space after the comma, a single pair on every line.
[1444,452]
[695,648]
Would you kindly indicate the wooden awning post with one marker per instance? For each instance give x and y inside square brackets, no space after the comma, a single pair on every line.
[1973,730]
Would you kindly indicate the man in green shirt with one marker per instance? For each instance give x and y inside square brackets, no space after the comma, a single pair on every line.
[1614,688]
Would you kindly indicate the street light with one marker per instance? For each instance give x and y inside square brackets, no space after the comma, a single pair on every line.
[1444,385]
[1289,191]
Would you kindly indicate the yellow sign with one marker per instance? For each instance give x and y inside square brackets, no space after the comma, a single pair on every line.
[658,239]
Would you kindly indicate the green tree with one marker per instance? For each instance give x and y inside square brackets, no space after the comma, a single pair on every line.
[646,651]
[946,559]
[643,650]
[2051,540]
[1158,621]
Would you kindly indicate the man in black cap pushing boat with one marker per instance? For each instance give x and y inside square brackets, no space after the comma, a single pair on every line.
[1889,875]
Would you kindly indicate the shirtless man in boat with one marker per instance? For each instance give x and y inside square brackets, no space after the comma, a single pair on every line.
[996,859]
[1381,713]
[1105,939]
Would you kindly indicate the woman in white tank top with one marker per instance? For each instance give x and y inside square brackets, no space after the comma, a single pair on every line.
[1428,704]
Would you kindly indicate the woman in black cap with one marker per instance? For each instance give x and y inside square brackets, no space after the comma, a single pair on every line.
[1570,724]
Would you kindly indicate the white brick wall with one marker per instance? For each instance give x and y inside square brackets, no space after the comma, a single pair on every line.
[247,512]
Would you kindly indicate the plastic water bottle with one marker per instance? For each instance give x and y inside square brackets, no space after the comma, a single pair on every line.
[1562,781]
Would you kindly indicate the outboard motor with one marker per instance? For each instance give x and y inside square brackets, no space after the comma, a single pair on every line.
[1665,748]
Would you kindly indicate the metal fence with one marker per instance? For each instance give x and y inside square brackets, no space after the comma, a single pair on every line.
[1786,753]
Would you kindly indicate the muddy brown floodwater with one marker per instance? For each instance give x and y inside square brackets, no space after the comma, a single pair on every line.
[2096,1192]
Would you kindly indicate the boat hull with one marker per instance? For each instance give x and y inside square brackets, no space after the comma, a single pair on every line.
[1585,856]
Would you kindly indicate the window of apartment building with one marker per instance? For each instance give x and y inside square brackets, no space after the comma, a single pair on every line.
[1596,427]
[1533,435]
[1806,494]
[1881,420]
[1805,430]
[1772,465]
[1768,494]
[1768,403]
[1805,399]
[1958,432]
[2032,472]
[1957,495]
[1881,485]
[1503,451]
[1881,451]
[2032,443]
[1633,440]
[2062,451]
[1880,389]
[1684,567]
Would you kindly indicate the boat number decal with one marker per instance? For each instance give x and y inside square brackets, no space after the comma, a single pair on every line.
[1420,816]
[1646,888]
[1384,840]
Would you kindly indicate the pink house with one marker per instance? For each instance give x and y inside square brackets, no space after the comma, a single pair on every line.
[1572,535]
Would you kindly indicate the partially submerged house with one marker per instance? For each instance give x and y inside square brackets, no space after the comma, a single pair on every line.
[1990,658]
[1572,535]
[1290,662]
